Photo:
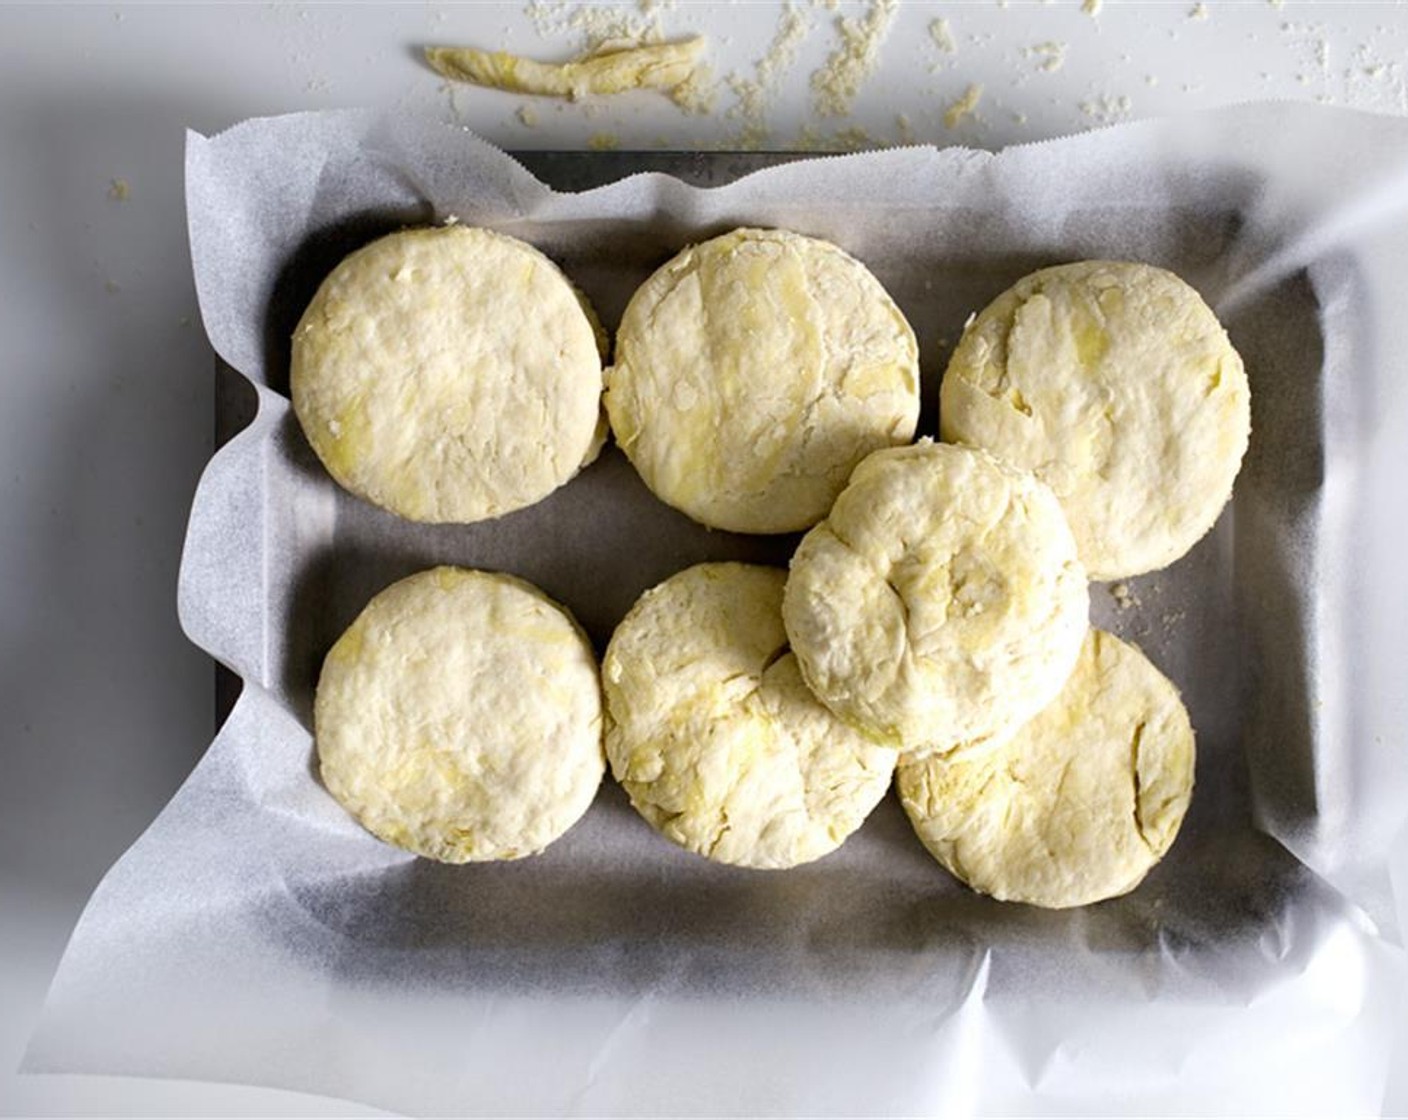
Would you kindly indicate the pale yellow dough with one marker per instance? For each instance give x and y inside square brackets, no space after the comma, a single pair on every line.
[941,604]
[1080,803]
[449,374]
[459,717]
[614,67]
[714,735]
[1116,384]
[753,372]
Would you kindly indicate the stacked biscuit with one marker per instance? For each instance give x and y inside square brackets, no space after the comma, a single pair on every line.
[933,622]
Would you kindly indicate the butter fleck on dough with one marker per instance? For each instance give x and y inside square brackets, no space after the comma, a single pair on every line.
[449,375]
[714,735]
[753,372]
[1117,385]
[940,605]
[612,67]
[1078,804]
[459,717]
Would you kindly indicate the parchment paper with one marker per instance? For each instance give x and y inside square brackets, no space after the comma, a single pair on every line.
[256,934]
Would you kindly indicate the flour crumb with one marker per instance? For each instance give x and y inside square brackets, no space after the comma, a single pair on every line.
[1124,598]
[835,85]
[1107,109]
[1199,11]
[1050,56]
[527,116]
[965,107]
[119,190]
[942,35]
[1092,8]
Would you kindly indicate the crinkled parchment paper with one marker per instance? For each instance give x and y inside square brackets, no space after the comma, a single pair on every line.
[256,934]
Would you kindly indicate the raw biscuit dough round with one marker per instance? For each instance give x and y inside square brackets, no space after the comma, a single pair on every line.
[753,372]
[713,733]
[459,717]
[1117,385]
[940,604]
[1080,803]
[449,374]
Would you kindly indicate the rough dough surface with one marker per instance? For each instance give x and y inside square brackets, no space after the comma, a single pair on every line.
[753,372]
[714,735]
[941,604]
[449,374]
[1080,803]
[1116,384]
[459,717]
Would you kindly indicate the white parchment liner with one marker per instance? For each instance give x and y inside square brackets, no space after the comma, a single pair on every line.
[256,934]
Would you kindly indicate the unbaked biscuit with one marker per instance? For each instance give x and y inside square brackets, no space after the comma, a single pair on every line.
[714,735]
[449,374]
[1116,384]
[753,372]
[941,603]
[459,717]
[1080,803]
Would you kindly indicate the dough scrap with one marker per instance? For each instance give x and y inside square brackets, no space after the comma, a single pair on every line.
[1115,383]
[449,375]
[714,735]
[940,605]
[1080,803]
[753,372]
[613,67]
[459,717]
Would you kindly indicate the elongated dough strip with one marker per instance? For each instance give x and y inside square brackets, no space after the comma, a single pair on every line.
[613,68]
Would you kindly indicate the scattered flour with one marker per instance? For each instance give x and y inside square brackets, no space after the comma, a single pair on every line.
[1107,108]
[835,85]
[596,23]
[756,93]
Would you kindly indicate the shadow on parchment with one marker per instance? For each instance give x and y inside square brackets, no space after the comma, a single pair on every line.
[826,929]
